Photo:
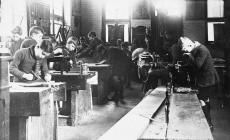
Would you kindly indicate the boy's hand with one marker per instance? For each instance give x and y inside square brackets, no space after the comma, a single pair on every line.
[28,76]
[47,77]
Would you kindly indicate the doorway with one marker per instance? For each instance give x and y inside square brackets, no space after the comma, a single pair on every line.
[117,31]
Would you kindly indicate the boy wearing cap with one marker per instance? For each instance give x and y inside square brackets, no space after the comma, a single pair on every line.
[35,37]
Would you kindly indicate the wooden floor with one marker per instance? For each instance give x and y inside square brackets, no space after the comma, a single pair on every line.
[101,118]
[105,116]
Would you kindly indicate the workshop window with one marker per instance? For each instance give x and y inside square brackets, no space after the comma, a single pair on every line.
[215,8]
[211,30]
[117,14]
[215,14]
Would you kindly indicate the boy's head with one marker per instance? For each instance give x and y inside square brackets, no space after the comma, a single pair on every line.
[186,44]
[16,33]
[71,43]
[91,35]
[36,33]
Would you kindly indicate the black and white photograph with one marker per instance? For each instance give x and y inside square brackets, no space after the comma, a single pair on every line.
[114,69]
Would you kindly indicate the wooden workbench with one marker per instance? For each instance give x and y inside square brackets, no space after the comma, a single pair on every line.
[186,121]
[31,113]
[31,106]
[100,91]
[132,125]
[80,101]
[4,97]
[146,121]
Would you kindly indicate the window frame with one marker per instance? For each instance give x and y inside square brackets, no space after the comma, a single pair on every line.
[212,19]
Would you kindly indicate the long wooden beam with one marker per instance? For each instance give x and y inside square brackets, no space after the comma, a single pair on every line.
[132,125]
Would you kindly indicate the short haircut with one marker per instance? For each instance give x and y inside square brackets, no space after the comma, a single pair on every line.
[46,45]
[36,30]
[92,34]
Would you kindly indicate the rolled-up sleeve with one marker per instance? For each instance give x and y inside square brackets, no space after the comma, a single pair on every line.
[14,70]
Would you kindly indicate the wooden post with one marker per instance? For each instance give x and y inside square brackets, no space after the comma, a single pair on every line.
[4,114]
[59,94]
[81,94]
[102,87]
[32,114]
[81,104]
[4,97]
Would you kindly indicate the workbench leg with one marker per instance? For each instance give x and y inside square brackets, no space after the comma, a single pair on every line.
[56,111]
[4,114]
[81,104]
[18,128]
[74,107]
[43,127]
[102,86]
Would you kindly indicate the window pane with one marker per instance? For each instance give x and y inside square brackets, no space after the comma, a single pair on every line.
[216,8]
[58,4]
[211,30]
[126,31]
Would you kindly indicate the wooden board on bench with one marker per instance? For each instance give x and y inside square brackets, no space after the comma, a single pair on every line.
[132,125]
[186,119]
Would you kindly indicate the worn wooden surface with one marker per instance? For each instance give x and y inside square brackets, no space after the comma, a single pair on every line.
[186,119]
[18,128]
[100,91]
[32,113]
[4,97]
[132,125]
[58,89]
[25,101]
[156,130]
[4,113]
[73,80]
[81,104]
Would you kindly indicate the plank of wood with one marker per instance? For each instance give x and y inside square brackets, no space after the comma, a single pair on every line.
[14,128]
[81,104]
[186,119]
[4,113]
[40,127]
[74,81]
[25,101]
[156,130]
[22,126]
[18,128]
[57,88]
[101,89]
[132,125]
[96,65]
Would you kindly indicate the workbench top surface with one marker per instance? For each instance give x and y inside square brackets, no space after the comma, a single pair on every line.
[186,121]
